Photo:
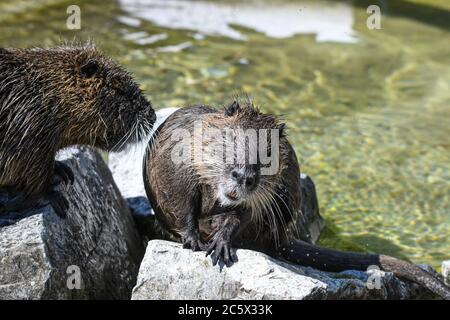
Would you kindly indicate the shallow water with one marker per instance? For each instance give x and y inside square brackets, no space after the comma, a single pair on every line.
[367,110]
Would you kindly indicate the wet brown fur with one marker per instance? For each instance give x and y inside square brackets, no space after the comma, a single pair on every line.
[54,98]
[197,191]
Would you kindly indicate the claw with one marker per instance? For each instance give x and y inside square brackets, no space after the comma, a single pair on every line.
[210,248]
[193,241]
[227,256]
[220,250]
[215,258]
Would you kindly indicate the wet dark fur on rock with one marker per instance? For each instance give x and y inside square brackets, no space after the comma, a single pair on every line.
[188,202]
[54,98]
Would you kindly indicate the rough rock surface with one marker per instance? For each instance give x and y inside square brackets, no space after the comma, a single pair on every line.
[98,236]
[310,224]
[446,271]
[170,272]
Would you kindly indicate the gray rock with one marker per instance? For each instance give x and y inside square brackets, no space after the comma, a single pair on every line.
[98,237]
[310,223]
[446,271]
[170,272]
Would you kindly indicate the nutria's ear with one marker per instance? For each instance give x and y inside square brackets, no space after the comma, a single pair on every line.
[232,108]
[89,69]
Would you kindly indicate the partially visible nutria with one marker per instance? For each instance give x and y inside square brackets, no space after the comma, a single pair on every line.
[54,98]
[215,205]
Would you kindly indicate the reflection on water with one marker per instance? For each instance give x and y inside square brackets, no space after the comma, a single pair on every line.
[368,118]
[330,21]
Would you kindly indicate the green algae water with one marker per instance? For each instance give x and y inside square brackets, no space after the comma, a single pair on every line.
[367,110]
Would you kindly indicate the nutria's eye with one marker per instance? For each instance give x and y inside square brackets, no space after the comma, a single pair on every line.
[89,69]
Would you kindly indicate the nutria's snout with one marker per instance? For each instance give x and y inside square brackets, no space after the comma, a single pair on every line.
[239,185]
[146,112]
[139,104]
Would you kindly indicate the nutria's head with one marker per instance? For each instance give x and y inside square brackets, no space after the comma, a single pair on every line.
[248,170]
[96,98]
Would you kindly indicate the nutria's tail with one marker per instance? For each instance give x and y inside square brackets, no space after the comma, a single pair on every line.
[325,259]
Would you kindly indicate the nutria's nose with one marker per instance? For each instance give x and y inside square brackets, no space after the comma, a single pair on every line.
[241,178]
[237,176]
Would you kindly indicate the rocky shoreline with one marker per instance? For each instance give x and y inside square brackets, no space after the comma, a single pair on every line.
[94,253]
[256,276]
[97,252]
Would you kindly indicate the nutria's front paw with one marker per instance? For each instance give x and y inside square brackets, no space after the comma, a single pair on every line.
[64,172]
[192,240]
[220,249]
[59,203]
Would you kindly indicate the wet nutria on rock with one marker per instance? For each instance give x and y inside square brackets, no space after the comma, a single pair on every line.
[213,204]
[55,98]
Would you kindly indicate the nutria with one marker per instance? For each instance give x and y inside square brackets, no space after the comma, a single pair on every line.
[54,98]
[216,205]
